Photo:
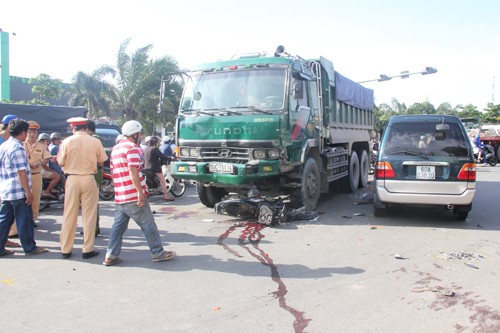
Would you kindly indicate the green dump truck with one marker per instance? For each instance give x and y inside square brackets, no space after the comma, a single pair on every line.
[280,124]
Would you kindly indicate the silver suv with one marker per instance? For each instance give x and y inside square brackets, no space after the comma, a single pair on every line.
[425,160]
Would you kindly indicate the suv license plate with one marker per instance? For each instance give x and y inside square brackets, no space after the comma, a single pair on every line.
[426,172]
[220,167]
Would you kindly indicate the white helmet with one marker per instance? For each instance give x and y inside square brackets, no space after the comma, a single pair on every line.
[131,127]
[166,138]
[146,140]
[119,138]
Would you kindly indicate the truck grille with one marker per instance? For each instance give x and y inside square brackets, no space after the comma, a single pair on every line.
[227,155]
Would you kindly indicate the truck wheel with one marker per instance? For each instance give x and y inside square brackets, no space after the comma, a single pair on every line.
[364,164]
[209,195]
[497,151]
[350,183]
[308,194]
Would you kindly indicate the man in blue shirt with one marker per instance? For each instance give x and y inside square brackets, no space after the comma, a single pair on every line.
[15,191]
[5,135]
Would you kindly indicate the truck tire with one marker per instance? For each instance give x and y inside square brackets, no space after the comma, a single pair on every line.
[209,195]
[364,168]
[497,151]
[308,194]
[350,183]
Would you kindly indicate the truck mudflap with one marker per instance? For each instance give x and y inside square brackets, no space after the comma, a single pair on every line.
[226,173]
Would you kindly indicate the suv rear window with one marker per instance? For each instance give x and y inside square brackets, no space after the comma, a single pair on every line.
[108,136]
[422,138]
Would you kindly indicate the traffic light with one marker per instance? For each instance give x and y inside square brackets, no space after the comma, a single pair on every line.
[429,70]
[384,77]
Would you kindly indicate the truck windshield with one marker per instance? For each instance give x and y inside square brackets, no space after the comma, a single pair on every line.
[236,92]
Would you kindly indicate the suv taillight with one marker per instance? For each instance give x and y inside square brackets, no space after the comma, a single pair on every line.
[468,172]
[384,170]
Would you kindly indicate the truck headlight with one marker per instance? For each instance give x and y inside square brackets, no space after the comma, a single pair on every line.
[259,154]
[194,152]
[273,153]
[184,152]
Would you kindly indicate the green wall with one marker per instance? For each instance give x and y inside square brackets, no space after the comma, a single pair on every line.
[4,67]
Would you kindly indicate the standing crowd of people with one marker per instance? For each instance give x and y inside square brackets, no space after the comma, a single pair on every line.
[27,158]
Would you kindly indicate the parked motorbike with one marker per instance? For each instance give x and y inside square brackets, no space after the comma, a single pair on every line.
[107,189]
[175,186]
[487,155]
[58,192]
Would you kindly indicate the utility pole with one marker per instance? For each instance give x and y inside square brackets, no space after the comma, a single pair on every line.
[493,91]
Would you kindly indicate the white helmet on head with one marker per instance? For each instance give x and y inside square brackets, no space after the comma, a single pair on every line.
[131,127]
[119,138]
[166,138]
[147,139]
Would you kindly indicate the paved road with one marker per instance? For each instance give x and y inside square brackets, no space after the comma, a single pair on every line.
[338,274]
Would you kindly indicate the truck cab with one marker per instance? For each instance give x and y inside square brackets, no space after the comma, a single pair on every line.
[267,123]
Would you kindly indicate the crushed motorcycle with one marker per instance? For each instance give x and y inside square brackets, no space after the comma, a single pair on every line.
[267,211]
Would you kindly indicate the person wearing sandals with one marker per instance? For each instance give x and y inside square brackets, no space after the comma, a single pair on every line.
[4,136]
[131,200]
[15,191]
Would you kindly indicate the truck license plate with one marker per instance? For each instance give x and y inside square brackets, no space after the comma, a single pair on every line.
[220,167]
[426,172]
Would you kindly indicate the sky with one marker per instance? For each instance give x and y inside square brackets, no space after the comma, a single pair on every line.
[363,39]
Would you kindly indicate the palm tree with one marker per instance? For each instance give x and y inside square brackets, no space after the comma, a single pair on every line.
[94,92]
[138,82]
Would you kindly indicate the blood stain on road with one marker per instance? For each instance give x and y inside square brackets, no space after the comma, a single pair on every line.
[252,236]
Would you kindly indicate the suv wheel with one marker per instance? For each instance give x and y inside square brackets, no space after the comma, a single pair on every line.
[379,208]
[460,214]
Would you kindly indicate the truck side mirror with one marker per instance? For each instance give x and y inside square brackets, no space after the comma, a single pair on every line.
[187,104]
[298,89]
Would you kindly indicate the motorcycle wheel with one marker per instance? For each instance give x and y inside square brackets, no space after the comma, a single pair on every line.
[107,190]
[178,187]
[492,160]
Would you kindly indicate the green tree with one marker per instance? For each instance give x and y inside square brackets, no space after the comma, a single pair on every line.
[45,87]
[445,108]
[492,114]
[469,111]
[93,91]
[138,83]
[398,107]
[382,114]
[422,108]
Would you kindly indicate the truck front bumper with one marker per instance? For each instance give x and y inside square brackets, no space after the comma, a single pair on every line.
[226,173]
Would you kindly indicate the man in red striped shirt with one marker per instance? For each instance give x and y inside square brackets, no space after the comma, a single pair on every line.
[131,198]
